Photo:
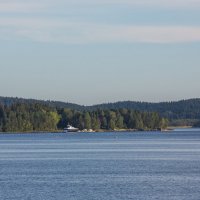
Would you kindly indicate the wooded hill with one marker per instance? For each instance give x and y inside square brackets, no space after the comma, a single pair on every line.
[18,114]
[184,109]
[8,101]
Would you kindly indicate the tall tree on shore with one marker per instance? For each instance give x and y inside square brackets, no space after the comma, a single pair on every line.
[87,121]
[2,118]
[120,121]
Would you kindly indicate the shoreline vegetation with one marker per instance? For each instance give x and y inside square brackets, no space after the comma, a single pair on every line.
[35,117]
[18,115]
[90,131]
[168,129]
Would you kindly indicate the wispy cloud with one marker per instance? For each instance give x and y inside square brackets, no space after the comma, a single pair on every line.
[19,6]
[68,32]
[41,5]
[64,30]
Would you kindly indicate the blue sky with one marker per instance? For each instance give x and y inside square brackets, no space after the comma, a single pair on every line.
[89,51]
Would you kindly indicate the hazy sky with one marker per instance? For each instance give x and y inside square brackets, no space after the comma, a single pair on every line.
[95,51]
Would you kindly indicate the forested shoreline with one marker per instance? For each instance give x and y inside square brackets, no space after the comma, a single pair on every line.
[29,117]
[179,113]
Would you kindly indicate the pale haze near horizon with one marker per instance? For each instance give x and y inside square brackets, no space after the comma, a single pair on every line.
[91,52]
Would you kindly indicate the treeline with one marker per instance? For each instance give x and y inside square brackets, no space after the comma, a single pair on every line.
[28,117]
[112,119]
[8,101]
[184,109]
[22,117]
[175,110]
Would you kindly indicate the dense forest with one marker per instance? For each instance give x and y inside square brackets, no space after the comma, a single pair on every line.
[26,117]
[56,104]
[184,109]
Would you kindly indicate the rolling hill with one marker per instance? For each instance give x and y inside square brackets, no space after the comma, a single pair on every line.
[175,110]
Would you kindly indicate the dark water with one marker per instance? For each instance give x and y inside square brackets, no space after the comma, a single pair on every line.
[95,166]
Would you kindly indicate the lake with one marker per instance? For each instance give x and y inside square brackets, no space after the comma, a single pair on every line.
[101,166]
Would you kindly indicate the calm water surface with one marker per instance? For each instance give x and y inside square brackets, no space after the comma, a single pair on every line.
[101,166]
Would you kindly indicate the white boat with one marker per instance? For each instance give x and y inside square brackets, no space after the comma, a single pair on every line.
[70,129]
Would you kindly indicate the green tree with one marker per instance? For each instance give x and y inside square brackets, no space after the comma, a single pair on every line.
[2,118]
[104,123]
[163,123]
[87,121]
[80,123]
[120,122]
[95,123]
[11,122]
[54,118]
[112,124]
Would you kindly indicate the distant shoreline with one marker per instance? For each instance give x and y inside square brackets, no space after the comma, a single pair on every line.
[93,131]
[170,128]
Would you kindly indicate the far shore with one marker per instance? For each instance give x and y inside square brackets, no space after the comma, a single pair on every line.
[88,131]
[168,129]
